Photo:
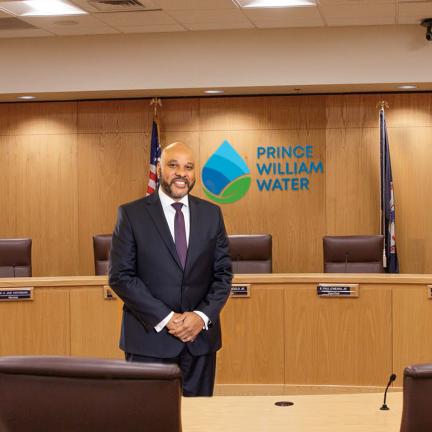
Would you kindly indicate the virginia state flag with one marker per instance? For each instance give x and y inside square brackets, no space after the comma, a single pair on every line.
[387,201]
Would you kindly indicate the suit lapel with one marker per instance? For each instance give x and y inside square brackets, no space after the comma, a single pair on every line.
[157,215]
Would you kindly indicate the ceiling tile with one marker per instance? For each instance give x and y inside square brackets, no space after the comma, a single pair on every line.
[135,18]
[13,23]
[414,10]
[76,31]
[408,20]
[355,2]
[51,21]
[294,22]
[360,21]
[275,14]
[220,26]
[63,26]
[220,16]
[372,11]
[195,4]
[161,28]
[4,15]
[84,4]
[24,33]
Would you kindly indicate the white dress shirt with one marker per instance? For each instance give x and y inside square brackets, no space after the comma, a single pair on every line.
[169,213]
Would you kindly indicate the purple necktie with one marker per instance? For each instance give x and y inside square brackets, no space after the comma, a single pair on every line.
[180,233]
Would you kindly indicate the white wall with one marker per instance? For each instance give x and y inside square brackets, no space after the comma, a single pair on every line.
[242,58]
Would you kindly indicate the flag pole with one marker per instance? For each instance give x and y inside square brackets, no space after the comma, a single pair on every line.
[382,105]
[155,148]
[155,102]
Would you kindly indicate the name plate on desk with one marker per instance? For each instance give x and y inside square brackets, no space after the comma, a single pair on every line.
[338,290]
[240,290]
[16,294]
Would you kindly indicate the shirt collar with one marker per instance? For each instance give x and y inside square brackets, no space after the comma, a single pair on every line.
[166,200]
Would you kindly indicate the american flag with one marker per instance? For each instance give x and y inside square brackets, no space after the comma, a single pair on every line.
[387,201]
[155,153]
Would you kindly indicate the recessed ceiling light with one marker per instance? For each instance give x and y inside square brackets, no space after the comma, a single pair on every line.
[213,91]
[26,97]
[407,87]
[275,3]
[41,8]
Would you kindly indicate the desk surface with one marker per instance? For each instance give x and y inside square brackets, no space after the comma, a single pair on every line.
[264,278]
[318,413]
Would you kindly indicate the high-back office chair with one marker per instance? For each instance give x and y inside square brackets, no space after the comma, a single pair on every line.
[15,257]
[101,250]
[353,254]
[417,399]
[251,253]
[47,394]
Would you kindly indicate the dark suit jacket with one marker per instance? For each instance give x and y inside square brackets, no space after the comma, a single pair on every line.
[146,273]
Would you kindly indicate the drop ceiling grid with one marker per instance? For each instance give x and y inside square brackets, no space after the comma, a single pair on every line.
[196,15]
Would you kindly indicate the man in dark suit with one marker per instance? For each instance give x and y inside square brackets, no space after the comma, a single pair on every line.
[170,265]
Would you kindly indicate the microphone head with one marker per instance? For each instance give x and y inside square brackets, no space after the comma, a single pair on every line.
[392,377]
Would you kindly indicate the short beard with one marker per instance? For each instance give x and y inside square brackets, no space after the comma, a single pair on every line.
[167,188]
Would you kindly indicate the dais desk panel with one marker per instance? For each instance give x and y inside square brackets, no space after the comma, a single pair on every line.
[283,336]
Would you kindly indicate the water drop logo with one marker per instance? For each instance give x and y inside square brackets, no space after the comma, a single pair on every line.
[225,176]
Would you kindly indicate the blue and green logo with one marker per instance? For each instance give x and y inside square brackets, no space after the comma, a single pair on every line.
[225,176]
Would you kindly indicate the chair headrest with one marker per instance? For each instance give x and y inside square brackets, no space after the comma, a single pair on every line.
[250,246]
[102,245]
[86,368]
[418,371]
[15,252]
[353,248]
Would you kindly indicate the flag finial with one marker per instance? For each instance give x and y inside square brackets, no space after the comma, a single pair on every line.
[155,102]
[382,105]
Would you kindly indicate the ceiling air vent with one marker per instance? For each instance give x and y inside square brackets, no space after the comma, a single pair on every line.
[123,5]
[14,24]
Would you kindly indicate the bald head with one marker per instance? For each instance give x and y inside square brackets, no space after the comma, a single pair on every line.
[176,170]
[175,148]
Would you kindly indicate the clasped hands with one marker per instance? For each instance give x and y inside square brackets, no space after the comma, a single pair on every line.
[185,326]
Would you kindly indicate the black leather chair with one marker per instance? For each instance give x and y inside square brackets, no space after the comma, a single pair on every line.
[101,250]
[417,399]
[353,254]
[15,257]
[251,253]
[47,394]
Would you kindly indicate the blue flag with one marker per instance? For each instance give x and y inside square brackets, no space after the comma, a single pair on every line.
[391,262]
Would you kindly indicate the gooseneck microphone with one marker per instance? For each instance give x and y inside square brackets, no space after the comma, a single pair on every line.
[384,405]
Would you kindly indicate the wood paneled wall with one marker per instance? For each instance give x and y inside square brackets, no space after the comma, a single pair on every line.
[66,166]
